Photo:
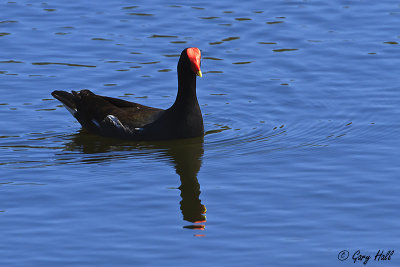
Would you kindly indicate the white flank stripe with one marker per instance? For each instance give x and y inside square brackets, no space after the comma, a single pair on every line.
[96,123]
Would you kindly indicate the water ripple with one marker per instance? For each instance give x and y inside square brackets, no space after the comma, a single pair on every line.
[263,137]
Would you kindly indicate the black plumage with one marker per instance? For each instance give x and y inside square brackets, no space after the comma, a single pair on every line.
[119,118]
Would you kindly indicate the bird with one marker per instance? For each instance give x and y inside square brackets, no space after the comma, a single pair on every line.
[118,118]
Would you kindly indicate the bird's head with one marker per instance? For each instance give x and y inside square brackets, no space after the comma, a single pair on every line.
[194,56]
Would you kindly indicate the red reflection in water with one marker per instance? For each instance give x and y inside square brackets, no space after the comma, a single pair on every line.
[195,226]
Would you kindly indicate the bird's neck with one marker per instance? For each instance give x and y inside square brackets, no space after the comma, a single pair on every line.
[186,96]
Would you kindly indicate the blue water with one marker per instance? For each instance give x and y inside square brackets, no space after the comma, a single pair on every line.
[300,161]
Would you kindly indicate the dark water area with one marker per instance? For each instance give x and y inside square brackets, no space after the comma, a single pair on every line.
[300,160]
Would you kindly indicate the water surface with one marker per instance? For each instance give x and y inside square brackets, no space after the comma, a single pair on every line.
[300,101]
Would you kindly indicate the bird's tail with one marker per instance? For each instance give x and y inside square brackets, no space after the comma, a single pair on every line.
[67,99]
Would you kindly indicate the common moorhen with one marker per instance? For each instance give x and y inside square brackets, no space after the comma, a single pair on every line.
[113,117]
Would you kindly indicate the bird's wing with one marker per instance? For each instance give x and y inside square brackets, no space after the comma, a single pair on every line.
[100,113]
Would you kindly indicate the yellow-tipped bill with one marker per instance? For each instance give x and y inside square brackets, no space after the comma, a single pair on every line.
[199,74]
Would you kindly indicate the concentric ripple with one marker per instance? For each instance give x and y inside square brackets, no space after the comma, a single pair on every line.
[266,138]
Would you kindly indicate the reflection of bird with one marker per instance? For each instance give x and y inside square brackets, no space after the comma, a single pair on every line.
[187,160]
[185,155]
[114,117]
